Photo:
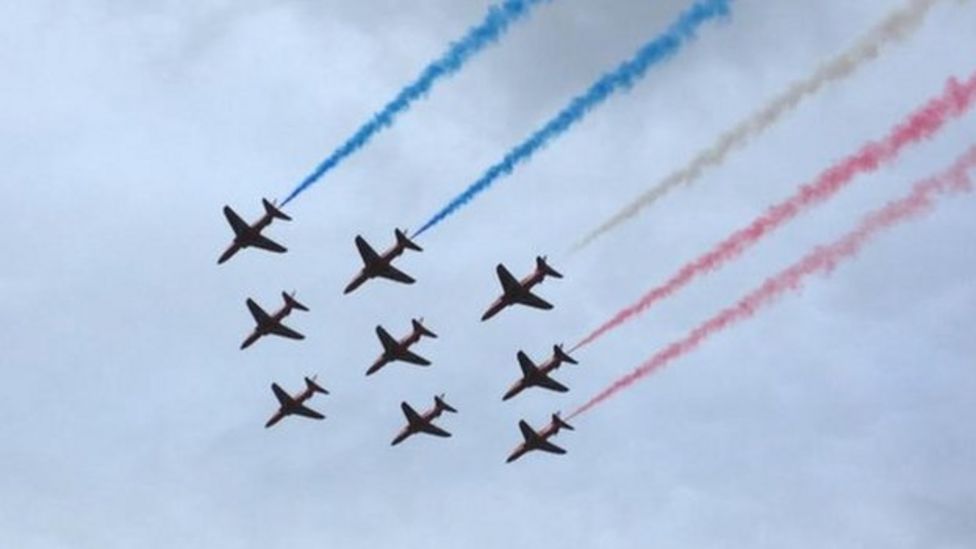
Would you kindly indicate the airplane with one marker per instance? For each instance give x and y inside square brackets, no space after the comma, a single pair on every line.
[417,423]
[250,235]
[271,324]
[539,440]
[295,404]
[375,265]
[400,350]
[538,376]
[520,291]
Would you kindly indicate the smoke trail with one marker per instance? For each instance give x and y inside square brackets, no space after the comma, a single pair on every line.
[821,260]
[922,124]
[495,24]
[897,26]
[623,77]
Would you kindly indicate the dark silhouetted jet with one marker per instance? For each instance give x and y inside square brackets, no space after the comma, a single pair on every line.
[417,423]
[271,324]
[250,235]
[539,440]
[520,291]
[538,376]
[375,265]
[400,350]
[290,405]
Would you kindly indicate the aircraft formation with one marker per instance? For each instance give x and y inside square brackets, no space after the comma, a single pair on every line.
[958,97]
[380,265]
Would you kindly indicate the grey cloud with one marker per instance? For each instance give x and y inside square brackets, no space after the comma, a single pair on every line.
[835,419]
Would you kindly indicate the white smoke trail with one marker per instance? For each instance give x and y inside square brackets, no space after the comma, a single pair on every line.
[896,27]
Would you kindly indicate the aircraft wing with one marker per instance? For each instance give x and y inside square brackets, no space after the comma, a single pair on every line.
[432,429]
[285,331]
[529,369]
[366,251]
[509,284]
[259,314]
[413,418]
[393,273]
[283,398]
[547,446]
[307,412]
[389,344]
[528,433]
[528,298]
[239,225]
[412,358]
[420,423]
[534,441]
[265,243]
[549,383]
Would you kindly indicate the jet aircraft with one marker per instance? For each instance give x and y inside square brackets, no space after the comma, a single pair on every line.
[295,404]
[417,423]
[539,440]
[271,324]
[375,264]
[400,349]
[538,376]
[520,291]
[250,235]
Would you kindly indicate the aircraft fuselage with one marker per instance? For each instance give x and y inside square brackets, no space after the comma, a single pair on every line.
[387,357]
[257,227]
[241,241]
[410,429]
[507,299]
[526,447]
[531,380]
[405,343]
[288,410]
[373,269]
[264,328]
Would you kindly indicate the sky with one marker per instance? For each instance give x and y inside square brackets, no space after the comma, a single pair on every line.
[839,417]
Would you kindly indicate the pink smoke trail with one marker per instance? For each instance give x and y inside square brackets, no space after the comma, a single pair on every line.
[821,260]
[954,101]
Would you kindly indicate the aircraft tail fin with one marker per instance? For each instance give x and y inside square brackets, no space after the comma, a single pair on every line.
[418,327]
[562,356]
[290,301]
[405,242]
[543,267]
[441,405]
[313,386]
[559,423]
[271,209]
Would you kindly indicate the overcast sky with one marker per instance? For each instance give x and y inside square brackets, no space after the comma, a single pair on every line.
[840,417]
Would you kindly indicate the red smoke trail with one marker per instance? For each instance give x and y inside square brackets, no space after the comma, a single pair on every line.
[922,124]
[821,260]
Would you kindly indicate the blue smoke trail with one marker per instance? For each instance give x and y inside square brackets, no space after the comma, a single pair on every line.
[623,77]
[495,24]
